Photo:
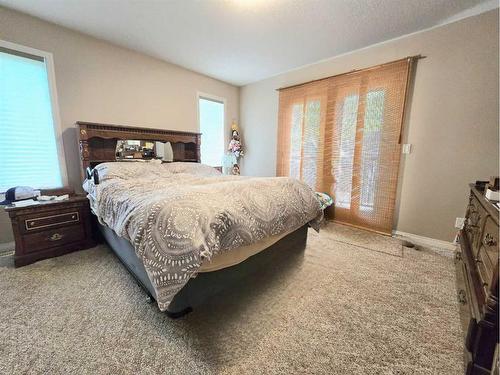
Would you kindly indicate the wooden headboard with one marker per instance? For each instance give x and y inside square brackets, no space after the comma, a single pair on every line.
[98,142]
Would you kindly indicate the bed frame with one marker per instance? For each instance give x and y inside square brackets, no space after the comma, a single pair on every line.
[98,145]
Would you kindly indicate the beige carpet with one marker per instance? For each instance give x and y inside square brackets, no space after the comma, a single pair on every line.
[373,308]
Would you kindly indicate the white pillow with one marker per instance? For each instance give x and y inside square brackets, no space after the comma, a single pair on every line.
[191,168]
[164,151]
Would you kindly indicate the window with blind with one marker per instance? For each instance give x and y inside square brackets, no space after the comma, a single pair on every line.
[28,145]
[341,135]
[211,117]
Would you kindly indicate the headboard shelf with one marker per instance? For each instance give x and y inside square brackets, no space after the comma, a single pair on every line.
[98,142]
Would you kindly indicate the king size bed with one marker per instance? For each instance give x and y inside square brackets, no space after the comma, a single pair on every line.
[182,229]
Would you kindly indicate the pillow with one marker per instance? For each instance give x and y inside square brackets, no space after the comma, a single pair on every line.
[191,168]
[131,160]
[164,151]
[128,170]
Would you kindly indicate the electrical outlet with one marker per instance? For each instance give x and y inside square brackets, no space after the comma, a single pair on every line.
[406,148]
[459,222]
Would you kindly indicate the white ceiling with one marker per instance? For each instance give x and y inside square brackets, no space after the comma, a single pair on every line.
[242,41]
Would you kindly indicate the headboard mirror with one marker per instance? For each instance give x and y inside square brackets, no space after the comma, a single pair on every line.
[101,143]
[135,149]
[146,150]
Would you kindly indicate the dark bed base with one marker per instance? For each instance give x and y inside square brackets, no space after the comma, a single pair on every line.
[205,284]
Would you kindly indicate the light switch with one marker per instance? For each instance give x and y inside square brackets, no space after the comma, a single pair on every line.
[406,148]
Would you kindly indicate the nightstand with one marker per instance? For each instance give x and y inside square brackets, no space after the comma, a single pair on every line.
[50,229]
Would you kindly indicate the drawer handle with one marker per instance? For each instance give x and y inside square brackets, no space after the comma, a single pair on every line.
[461,296]
[475,221]
[471,227]
[489,240]
[56,237]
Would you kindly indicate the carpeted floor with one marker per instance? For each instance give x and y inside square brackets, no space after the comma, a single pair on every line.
[352,303]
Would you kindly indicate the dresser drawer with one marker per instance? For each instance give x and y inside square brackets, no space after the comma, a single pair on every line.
[464,294]
[51,220]
[51,238]
[484,265]
[489,241]
[475,218]
[484,272]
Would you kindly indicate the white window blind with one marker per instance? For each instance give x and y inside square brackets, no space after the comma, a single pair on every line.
[211,114]
[28,149]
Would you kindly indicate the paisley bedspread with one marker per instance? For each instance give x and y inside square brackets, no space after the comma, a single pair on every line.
[177,215]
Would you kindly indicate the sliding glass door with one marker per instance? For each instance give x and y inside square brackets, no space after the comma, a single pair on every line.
[342,136]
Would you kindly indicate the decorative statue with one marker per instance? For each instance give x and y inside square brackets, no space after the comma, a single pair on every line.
[235,148]
[235,144]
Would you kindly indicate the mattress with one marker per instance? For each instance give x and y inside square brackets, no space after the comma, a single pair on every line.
[238,255]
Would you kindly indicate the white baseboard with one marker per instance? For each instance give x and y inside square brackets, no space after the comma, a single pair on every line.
[7,246]
[425,241]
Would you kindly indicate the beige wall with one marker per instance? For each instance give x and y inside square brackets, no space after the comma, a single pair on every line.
[97,81]
[453,120]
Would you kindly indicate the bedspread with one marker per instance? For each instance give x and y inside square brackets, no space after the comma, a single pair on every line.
[177,215]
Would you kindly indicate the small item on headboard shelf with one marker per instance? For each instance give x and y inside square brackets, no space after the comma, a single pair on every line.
[164,151]
[88,173]
[95,173]
[92,174]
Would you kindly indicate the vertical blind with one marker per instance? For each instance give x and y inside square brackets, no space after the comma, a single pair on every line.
[211,115]
[28,149]
[341,135]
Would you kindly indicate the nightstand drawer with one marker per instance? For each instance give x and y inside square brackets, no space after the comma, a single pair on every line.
[51,238]
[51,220]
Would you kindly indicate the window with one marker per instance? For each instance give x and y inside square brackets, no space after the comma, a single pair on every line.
[30,142]
[370,154]
[348,110]
[341,135]
[211,117]
[305,134]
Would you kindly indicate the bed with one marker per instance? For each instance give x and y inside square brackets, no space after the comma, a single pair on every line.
[183,230]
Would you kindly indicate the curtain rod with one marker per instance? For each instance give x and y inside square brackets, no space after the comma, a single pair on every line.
[415,57]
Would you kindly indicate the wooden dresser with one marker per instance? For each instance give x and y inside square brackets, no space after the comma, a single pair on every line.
[50,229]
[477,280]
